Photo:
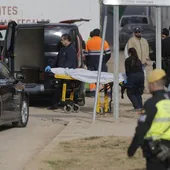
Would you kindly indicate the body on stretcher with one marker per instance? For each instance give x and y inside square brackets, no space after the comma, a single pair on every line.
[82,75]
[69,87]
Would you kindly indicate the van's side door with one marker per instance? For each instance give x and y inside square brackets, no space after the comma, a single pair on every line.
[8,50]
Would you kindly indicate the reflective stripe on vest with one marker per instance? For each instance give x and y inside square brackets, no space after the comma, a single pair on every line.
[160,128]
[93,46]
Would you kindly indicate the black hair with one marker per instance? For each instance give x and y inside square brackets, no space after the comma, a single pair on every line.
[66,37]
[165,31]
[135,59]
[96,32]
[91,34]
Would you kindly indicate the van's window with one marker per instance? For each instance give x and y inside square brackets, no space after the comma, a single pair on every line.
[133,20]
[52,37]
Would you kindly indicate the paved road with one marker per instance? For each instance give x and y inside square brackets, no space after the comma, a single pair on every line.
[19,145]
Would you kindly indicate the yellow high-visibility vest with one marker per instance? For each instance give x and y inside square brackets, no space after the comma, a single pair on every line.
[160,128]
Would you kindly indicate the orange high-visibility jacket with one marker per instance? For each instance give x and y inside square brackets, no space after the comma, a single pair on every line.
[93,47]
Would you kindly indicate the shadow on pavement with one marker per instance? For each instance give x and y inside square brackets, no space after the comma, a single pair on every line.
[6,127]
[40,103]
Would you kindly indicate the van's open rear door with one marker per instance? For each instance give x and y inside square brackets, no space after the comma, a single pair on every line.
[8,51]
[72,21]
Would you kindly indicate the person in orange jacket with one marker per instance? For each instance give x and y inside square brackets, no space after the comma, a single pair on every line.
[92,54]
[93,47]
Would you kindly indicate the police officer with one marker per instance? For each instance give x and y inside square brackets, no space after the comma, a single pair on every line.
[67,58]
[153,130]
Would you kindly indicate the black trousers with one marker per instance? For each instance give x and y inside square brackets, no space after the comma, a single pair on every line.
[135,97]
[153,163]
[56,96]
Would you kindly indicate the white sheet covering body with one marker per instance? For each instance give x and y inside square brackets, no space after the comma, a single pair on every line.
[88,76]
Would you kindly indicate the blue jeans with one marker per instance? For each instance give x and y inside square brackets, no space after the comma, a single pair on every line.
[136,99]
[135,89]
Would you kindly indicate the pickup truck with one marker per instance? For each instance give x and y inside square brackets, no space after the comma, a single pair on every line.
[134,19]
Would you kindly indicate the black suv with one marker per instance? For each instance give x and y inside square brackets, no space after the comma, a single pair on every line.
[14,101]
[29,48]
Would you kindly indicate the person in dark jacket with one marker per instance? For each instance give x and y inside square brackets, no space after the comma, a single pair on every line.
[135,79]
[153,129]
[67,58]
[166,53]
[165,49]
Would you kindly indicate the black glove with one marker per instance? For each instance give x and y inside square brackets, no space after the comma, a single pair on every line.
[164,154]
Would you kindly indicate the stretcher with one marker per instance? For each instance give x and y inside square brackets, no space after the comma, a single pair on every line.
[68,92]
[106,106]
[69,76]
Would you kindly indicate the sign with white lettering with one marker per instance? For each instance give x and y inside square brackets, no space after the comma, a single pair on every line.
[138,2]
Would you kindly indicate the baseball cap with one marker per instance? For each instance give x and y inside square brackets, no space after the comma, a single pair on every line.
[156,75]
[137,29]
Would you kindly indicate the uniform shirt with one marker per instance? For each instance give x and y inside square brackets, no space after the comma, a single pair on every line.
[67,57]
[93,47]
[141,46]
[145,121]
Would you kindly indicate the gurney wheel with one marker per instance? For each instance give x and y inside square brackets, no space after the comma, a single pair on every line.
[76,108]
[68,108]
